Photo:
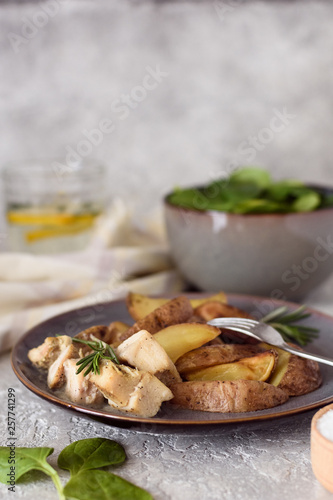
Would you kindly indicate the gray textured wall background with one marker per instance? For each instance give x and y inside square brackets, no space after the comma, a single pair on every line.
[229,67]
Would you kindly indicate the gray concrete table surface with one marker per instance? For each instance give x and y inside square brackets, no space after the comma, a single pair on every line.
[257,460]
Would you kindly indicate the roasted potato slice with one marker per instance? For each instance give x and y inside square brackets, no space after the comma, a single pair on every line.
[211,355]
[99,331]
[302,376]
[295,375]
[213,309]
[139,306]
[257,367]
[218,297]
[174,311]
[227,396]
[216,309]
[181,338]
[115,331]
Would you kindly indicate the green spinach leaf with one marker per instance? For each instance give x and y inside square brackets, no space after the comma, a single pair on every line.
[251,175]
[251,190]
[306,202]
[259,207]
[101,485]
[284,190]
[91,453]
[27,459]
[81,458]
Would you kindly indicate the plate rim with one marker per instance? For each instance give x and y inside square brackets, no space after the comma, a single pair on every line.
[241,417]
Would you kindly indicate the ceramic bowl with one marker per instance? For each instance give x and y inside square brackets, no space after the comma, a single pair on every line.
[322,452]
[282,256]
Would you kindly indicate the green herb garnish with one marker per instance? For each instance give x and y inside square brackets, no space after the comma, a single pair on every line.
[25,460]
[100,485]
[284,322]
[101,349]
[83,459]
[251,190]
[88,454]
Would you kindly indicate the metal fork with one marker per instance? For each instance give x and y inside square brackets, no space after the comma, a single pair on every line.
[264,333]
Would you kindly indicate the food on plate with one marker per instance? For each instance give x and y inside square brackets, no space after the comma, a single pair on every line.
[175,311]
[45,354]
[251,190]
[295,375]
[211,355]
[181,338]
[78,388]
[116,330]
[258,367]
[129,389]
[218,297]
[227,396]
[172,356]
[144,352]
[214,309]
[139,306]
[101,332]
[302,376]
[56,373]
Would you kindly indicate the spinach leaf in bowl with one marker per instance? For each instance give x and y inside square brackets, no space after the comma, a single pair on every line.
[251,190]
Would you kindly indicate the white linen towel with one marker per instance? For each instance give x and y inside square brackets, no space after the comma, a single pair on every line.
[120,258]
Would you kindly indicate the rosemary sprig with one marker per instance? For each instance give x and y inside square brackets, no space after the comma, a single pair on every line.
[90,363]
[283,321]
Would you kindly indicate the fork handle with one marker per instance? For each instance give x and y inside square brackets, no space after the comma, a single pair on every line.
[307,355]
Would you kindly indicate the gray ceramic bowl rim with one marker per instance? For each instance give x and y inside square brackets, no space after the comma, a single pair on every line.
[328,189]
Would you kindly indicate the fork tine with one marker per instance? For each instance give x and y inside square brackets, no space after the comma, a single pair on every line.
[241,329]
[231,324]
[235,319]
[236,324]
[231,321]
[245,321]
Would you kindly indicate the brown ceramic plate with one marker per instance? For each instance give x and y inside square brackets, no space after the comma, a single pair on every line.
[72,322]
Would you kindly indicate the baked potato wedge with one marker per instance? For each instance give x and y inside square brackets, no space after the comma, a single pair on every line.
[139,305]
[218,297]
[257,367]
[213,309]
[174,311]
[295,375]
[181,338]
[217,309]
[227,396]
[116,329]
[211,355]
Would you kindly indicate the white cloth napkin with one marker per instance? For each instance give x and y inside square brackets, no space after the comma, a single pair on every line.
[122,257]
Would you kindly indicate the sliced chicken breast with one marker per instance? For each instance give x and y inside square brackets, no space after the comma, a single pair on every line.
[45,354]
[79,388]
[56,374]
[131,390]
[142,351]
